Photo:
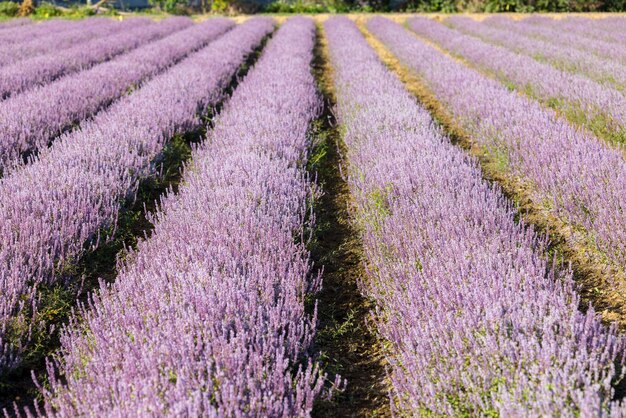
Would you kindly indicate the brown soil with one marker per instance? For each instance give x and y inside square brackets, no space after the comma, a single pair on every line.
[348,345]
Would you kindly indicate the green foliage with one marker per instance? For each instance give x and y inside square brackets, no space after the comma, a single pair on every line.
[590,5]
[8,8]
[297,6]
[445,6]
[46,10]
[300,6]
[612,5]
[220,6]
[495,6]
[177,7]
[185,7]
[527,6]
[77,11]
[109,12]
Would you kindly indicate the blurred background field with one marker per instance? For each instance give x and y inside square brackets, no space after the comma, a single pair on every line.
[38,9]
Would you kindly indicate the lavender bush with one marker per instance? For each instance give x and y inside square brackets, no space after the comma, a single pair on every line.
[28,121]
[583,98]
[610,23]
[76,34]
[565,39]
[14,23]
[562,57]
[52,207]
[28,73]
[573,175]
[209,312]
[28,32]
[585,27]
[478,321]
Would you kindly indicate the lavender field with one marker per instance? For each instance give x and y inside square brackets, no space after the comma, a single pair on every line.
[328,216]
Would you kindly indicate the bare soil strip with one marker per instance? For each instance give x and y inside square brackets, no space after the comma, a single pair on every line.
[348,344]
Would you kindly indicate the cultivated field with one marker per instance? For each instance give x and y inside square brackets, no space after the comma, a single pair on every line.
[360,215]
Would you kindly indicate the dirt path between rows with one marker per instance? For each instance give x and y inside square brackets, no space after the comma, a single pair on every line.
[348,345]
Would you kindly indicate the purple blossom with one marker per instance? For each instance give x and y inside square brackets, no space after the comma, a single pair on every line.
[586,27]
[561,56]
[14,23]
[28,121]
[25,33]
[575,92]
[565,39]
[42,69]
[573,175]
[76,34]
[52,207]
[479,322]
[207,318]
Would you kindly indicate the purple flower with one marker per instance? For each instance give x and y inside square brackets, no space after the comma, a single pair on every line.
[28,121]
[478,321]
[52,207]
[207,317]
[572,174]
[28,73]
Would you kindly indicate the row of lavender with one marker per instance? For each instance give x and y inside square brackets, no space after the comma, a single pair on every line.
[28,73]
[575,176]
[11,34]
[210,311]
[52,207]
[14,23]
[577,96]
[593,28]
[479,322]
[564,38]
[75,34]
[28,121]
[568,58]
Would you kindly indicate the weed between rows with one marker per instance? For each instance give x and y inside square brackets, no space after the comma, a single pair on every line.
[81,277]
[346,343]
